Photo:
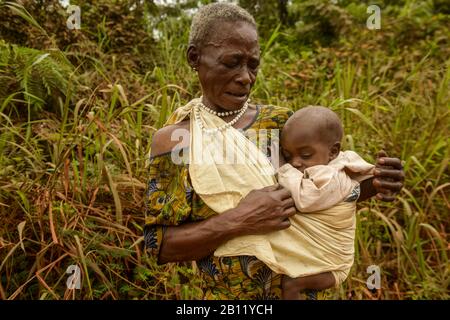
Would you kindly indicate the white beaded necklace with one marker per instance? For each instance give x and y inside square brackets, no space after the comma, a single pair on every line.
[220,114]
[239,112]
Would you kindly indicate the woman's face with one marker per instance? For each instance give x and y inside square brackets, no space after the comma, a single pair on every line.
[228,64]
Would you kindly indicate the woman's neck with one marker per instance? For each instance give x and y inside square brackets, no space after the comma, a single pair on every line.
[214,107]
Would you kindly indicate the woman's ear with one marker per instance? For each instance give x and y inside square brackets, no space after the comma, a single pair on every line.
[193,56]
[334,150]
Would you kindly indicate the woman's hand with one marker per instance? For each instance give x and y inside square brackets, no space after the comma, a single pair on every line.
[388,177]
[262,211]
[387,181]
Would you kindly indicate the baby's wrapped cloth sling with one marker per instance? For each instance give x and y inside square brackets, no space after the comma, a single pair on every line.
[225,166]
[321,236]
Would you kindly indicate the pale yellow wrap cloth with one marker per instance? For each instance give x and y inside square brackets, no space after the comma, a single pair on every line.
[321,236]
[223,166]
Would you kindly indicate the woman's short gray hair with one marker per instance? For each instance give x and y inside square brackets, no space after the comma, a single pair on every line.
[204,20]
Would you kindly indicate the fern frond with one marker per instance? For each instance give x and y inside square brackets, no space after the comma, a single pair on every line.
[42,76]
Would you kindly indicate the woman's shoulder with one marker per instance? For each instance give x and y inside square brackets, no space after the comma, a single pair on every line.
[272,116]
[275,109]
[168,138]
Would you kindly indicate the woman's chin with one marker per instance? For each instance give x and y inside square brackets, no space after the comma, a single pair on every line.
[235,102]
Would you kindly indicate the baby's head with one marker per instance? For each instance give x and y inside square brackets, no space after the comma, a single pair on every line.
[311,136]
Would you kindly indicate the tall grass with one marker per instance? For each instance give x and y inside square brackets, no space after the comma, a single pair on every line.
[72,183]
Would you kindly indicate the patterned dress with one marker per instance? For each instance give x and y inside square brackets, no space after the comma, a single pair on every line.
[172,201]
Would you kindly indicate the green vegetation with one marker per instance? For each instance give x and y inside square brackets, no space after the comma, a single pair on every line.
[78,109]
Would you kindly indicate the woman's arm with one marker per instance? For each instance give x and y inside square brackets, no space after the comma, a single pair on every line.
[261,211]
[193,241]
[387,181]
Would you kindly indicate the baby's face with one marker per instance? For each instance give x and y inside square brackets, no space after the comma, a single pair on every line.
[302,156]
[303,149]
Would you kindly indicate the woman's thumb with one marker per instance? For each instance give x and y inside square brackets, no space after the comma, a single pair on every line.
[274,187]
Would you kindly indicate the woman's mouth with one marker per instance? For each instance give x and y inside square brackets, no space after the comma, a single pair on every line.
[239,96]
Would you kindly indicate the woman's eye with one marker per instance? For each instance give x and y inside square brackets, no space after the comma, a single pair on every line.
[253,65]
[306,156]
[231,64]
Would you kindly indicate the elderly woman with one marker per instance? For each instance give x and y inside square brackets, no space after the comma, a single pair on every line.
[195,207]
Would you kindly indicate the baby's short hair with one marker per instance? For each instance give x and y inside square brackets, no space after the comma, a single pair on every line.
[323,119]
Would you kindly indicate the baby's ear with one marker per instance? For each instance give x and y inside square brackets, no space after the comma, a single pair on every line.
[334,150]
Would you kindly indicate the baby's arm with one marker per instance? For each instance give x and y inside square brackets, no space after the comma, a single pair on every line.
[318,188]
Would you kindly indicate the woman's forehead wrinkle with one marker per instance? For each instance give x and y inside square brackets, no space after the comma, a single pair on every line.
[228,33]
[234,50]
[213,44]
[231,39]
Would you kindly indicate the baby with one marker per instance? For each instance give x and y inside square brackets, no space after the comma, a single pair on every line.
[320,177]
[318,248]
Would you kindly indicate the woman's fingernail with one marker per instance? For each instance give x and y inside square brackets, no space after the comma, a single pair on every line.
[381,161]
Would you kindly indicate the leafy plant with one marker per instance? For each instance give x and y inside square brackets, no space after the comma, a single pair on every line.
[41,77]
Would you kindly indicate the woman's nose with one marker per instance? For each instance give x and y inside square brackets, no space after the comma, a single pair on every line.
[245,76]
